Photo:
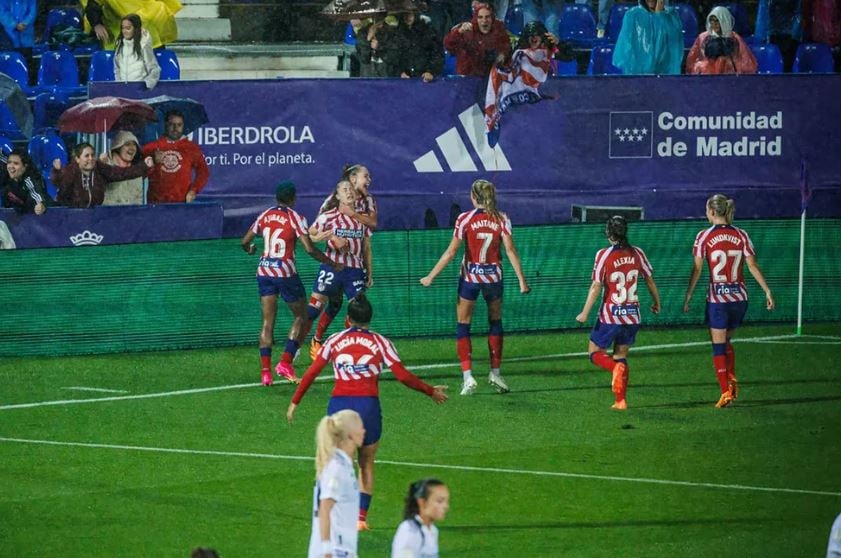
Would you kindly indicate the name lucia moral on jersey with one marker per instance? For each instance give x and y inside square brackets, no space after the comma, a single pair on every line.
[725,145]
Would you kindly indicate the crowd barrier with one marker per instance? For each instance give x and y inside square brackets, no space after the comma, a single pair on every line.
[182,295]
[63,226]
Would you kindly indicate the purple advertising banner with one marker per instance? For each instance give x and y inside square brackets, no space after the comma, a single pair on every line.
[63,226]
[660,143]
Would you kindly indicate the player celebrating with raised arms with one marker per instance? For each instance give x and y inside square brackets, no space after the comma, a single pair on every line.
[617,268]
[482,230]
[359,356]
[280,227]
[726,249]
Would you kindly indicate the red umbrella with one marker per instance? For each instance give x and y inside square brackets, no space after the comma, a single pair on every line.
[100,114]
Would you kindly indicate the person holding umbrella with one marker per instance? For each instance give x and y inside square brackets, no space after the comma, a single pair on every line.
[82,183]
[180,170]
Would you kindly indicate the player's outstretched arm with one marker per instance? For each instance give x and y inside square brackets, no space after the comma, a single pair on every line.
[753,266]
[445,259]
[247,242]
[514,258]
[694,275]
[437,393]
[309,377]
[655,294]
[592,295]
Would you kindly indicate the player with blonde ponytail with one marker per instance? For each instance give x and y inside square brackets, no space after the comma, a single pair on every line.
[336,492]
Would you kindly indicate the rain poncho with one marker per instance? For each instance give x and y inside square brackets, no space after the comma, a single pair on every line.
[724,53]
[822,21]
[649,42]
[158,17]
[13,12]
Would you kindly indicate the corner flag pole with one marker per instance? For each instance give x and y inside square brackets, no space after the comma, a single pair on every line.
[805,196]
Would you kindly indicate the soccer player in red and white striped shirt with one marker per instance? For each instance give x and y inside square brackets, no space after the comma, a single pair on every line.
[726,249]
[280,227]
[364,210]
[359,357]
[482,230]
[618,268]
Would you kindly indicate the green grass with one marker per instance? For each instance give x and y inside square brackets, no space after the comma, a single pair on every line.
[783,433]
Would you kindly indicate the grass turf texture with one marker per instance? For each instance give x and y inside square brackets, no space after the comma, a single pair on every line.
[783,432]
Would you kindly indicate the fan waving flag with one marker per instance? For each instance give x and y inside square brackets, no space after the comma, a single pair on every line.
[514,86]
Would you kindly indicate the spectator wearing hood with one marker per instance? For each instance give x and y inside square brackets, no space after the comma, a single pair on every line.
[416,48]
[651,40]
[479,43]
[17,18]
[720,50]
[125,152]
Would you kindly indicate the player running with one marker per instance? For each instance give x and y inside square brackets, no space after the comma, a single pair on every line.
[617,268]
[482,230]
[726,249]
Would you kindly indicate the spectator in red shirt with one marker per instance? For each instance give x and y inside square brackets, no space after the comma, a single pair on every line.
[180,169]
[479,43]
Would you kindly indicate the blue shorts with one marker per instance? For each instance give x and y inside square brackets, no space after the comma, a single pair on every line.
[368,408]
[290,288]
[604,335]
[330,282]
[470,291]
[726,315]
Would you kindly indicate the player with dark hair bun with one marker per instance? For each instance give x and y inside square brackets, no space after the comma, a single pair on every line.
[428,501]
[618,268]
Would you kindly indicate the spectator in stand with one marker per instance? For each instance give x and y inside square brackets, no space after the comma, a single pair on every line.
[103,18]
[822,21]
[369,48]
[650,41]
[480,43]
[720,50]
[23,188]
[82,183]
[134,59]
[416,47]
[17,18]
[180,169]
[446,13]
[125,152]
[784,29]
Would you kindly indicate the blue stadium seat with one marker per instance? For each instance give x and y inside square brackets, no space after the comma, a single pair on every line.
[350,35]
[742,20]
[601,62]
[102,66]
[514,19]
[48,108]
[8,126]
[59,72]
[59,18]
[614,21]
[44,148]
[561,68]
[813,58]
[6,145]
[577,25]
[168,61]
[690,23]
[13,65]
[769,60]
[449,64]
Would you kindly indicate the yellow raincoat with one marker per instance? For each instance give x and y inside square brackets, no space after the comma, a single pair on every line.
[158,17]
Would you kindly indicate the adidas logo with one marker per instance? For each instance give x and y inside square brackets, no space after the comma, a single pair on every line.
[456,152]
[86,238]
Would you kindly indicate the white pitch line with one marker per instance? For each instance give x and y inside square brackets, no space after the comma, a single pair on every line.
[103,390]
[796,342]
[329,378]
[501,470]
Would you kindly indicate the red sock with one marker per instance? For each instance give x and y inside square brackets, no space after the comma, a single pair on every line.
[731,360]
[624,390]
[266,362]
[323,323]
[465,349]
[720,364]
[287,357]
[495,350]
[603,360]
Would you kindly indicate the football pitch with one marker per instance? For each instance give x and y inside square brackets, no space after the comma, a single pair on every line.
[151,454]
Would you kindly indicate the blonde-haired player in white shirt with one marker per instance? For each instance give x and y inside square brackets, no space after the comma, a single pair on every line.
[336,493]
[417,536]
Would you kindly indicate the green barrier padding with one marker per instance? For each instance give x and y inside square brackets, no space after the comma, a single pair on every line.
[104,299]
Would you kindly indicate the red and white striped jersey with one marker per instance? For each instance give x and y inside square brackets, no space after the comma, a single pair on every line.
[280,227]
[482,236]
[343,227]
[359,356]
[725,248]
[619,270]
[364,205]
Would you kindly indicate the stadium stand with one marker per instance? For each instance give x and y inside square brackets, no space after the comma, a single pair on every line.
[101,66]
[614,22]
[578,25]
[768,58]
[13,65]
[813,58]
[601,61]
[59,72]
[168,61]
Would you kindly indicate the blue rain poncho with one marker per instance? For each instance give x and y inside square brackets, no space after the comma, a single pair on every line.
[649,42]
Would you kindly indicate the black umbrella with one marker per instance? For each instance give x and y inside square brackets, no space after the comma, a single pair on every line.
[193,111]
[15,104]
[354,9]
